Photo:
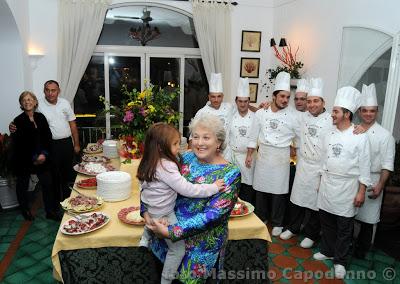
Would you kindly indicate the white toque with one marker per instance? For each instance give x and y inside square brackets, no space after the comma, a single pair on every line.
[349,98]
[243,90]
[316,86]
[216,83]
[282,82]
[368,96]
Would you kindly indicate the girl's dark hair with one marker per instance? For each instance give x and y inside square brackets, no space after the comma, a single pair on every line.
[157,145]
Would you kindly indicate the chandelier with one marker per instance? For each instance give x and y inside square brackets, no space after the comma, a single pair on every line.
[144,33]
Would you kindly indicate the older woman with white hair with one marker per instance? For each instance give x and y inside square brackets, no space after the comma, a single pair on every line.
[202,222]
[32,146]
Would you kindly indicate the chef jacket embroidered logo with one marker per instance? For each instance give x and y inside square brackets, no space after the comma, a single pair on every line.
[337,150]
[242,131]
[222,119]
[312,130]
[273,123]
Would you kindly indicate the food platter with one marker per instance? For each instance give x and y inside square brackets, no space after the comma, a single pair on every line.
[95,159]
[84,223]
[81,203]
[93,169]
[242,208]
[87,183]
[93,149]
[124,215]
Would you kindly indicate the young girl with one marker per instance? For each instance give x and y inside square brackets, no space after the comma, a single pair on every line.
[161,181]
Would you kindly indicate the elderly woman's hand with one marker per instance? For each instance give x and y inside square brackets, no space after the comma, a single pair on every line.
[159,229]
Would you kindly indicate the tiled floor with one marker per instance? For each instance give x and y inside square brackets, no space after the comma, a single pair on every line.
[30,262]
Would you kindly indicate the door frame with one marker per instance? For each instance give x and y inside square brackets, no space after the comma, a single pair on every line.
[145,53]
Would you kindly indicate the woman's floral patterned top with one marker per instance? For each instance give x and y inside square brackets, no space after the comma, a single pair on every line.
[202,222]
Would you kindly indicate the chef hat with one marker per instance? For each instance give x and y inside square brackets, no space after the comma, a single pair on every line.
[368,96]
[282,82]
[349,98]
[216,83]
[302,86]
[316,87]
[243,88]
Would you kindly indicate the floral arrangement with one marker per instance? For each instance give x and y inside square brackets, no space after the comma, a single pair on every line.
[289,60]
[5,152]
[139,110]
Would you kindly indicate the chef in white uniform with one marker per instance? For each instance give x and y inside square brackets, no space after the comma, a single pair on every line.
[239,133]
[273,131]
[382,147]
[314,125]
[215,104]
[345,176]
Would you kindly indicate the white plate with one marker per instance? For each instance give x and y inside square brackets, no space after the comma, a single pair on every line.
[62,230]
[249,206]
[82,171]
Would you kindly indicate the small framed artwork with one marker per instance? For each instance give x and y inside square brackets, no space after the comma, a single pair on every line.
[251,41]
[249,67]
[253,92]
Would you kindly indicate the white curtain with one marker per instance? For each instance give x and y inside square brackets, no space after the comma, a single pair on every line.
[79,26]
[212,22]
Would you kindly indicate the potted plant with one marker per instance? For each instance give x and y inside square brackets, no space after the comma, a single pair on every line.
[290,64]
[139,110]
[8,198]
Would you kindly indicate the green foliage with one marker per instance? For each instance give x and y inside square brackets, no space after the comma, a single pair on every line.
[293,70]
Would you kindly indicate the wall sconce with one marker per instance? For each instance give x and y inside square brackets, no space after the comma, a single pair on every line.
[35,58]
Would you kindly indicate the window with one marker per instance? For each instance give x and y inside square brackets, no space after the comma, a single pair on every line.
[171,60]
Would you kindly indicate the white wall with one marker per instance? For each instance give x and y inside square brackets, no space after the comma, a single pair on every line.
[252,15]
[12,74]
[316,26]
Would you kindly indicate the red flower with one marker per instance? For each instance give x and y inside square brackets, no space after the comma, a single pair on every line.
[199,270]
[185,169]
[177,231]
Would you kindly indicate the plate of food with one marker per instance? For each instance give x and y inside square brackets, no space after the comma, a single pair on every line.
[93,169]
[95,159]
[84,223]
[131,215]
[242,208]
[87,183]
[82,203]
[93,149]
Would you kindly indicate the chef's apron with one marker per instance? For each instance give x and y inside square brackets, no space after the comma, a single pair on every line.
[239,159]
[306,184]
[271,174]
[371,209]
[336,194]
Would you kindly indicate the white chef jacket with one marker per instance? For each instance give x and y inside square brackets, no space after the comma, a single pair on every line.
[58,116]
[309,158]
[382,147]
[274,132]
[346,163]
[239,132]
[225,112]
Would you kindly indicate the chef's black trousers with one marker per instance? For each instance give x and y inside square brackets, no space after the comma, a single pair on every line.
[312,227]
[247,193]
[364,238]
[271,207]
[62,155]
[337,236]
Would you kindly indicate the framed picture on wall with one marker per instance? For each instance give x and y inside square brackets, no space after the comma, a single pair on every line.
[253,92]
[251,41]
[249,67]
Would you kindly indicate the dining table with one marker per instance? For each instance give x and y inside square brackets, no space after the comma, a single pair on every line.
[111,254]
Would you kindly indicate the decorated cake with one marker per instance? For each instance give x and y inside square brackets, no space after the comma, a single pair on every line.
[114,186]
